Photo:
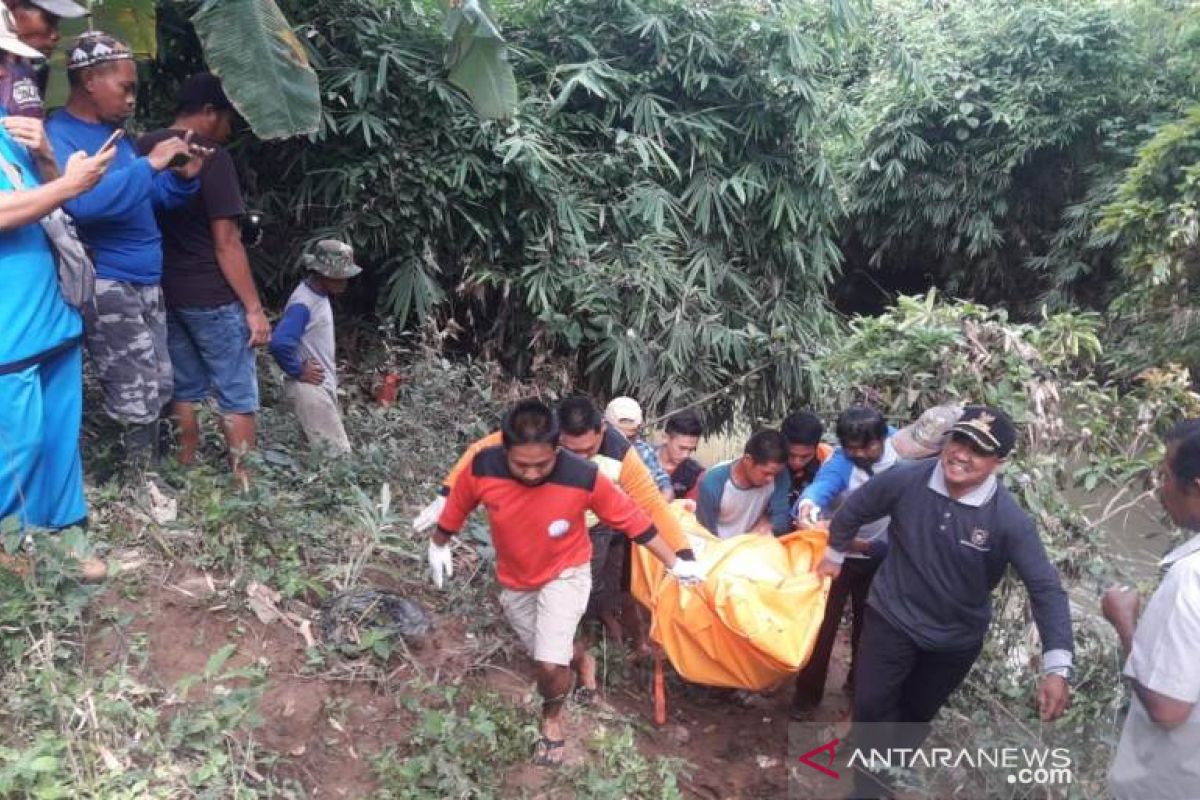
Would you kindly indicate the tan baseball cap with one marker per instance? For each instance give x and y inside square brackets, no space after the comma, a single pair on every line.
[623,409]
[925,437]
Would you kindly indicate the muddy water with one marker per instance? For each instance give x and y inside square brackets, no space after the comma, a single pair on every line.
[1136,539]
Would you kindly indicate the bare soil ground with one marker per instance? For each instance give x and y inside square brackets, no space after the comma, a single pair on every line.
[326,724]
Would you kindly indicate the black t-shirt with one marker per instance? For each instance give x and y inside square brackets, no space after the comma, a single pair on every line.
[801,480]
[191,276]
[685,477]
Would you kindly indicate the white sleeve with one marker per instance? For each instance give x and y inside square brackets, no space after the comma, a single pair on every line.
[1165,656]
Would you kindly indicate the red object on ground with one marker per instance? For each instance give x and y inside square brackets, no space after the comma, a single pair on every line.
[660,689]
[385,392]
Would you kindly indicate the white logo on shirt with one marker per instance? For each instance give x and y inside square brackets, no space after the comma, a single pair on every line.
[24,92]
[979,541]
[558,528]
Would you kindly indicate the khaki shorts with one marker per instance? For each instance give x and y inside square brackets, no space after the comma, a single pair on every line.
[546,619]
[318,413]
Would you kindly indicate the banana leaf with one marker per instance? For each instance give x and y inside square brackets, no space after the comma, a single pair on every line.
[477,59]
[263,66]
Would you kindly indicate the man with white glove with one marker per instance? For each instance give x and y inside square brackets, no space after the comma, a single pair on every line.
[441,563]
[429,514]
[688,573]
[808,513]
[537,497]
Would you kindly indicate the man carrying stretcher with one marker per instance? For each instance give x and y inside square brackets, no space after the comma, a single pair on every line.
[537,497]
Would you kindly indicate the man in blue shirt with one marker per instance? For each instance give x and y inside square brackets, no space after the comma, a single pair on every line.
[625,414]
[126,328]
[41,374]
[866,444]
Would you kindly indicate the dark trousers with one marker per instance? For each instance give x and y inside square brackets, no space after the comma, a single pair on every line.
[853,582]
[899,689]
[608,569]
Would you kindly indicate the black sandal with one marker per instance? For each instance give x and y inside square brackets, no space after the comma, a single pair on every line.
[583,696]
[542,750]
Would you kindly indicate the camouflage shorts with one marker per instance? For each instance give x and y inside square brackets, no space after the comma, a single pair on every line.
[127,342]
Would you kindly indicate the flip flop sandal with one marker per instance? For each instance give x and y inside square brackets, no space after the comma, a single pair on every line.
[542,750]
[583,696]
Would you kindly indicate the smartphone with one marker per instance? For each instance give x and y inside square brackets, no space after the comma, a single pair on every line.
[112,140]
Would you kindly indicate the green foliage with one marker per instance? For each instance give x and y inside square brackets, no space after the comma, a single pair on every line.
[453,752]
[658,215]
[982,156]
[1156,210]
[616,769]
[477,59]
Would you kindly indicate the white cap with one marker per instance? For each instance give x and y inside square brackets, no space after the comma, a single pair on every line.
[8,37]
[623,409]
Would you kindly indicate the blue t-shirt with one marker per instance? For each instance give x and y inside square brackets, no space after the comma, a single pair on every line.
[116,218]
[35,317]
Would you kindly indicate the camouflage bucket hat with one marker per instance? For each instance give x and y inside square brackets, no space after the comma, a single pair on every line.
[331,258]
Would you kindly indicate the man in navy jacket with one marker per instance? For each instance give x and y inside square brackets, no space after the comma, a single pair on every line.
[954,532]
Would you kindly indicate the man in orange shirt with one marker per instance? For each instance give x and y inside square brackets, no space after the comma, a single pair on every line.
[634,480]
[537,497]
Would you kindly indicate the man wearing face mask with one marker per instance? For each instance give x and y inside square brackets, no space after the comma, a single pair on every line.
[126,328]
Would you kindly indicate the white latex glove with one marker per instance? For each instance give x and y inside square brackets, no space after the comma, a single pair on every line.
[429,515]
[808,512]
[441,563]
[688,573]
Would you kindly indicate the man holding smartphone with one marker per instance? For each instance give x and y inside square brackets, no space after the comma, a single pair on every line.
[214,316]
[126,329]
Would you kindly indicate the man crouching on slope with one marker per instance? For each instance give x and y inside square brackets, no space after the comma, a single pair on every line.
[536,497]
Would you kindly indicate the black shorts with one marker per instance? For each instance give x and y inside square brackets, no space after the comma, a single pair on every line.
[610,571]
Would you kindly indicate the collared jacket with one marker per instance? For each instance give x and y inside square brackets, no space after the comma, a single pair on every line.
[946,557]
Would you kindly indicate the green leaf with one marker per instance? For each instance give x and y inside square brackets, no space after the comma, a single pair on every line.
[263,66]
[477,59]
[218,659]
[43,764]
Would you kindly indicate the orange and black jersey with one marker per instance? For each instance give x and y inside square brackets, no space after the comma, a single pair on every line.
[538,531]
[635,480]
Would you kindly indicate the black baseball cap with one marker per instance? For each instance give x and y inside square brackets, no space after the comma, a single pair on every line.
[202,89]
[60,8]
[989,429]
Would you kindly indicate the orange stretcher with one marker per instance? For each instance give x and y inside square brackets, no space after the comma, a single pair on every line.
[754,620]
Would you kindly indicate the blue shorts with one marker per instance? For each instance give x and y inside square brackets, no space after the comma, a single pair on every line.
[211,355]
